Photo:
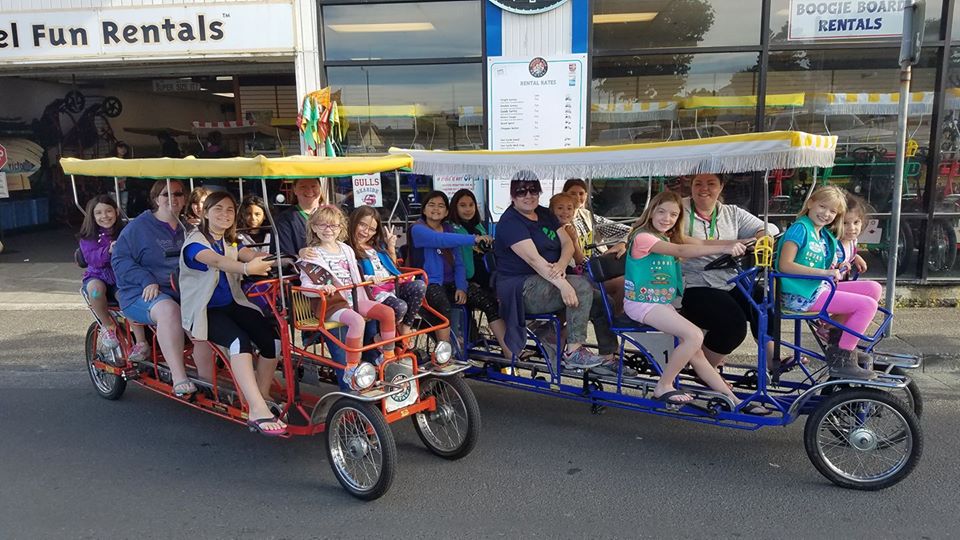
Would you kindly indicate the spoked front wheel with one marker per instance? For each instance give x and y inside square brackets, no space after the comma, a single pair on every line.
[108,385]
[863,439]
[360,448]
[452,430]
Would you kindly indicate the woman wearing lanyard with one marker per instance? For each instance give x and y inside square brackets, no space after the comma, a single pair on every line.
[719,308]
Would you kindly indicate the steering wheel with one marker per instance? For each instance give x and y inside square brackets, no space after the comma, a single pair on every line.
[727,261]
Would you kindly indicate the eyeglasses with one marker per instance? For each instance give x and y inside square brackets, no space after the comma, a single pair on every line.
[366,227]
[327,226]
[175,194]
[523,192]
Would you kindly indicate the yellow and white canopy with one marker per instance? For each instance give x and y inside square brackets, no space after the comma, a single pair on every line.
[255,167]
[727,154]
[878,104]
[772,101]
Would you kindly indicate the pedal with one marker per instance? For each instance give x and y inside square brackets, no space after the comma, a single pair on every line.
[131,373]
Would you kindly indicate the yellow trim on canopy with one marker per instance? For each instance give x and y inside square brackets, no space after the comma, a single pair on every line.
[772,101]
[255,167]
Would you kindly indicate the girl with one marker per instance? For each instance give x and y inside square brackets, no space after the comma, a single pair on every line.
[213,308]
[809,247]
[327,264]
[194,207]
[466,220]
[847,257]
[432,248]
[653,281]
[375,249]
[97,236]
[564,205]
[253,211]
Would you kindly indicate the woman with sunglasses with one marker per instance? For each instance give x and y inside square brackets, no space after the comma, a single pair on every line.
[532,253]
[146,255]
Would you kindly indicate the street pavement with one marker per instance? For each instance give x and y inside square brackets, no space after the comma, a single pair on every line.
[73,465]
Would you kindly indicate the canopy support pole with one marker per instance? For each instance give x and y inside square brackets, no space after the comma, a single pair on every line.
[76,200]
[116,190]
[191,185]
[396,202]
[240,180]
[276,242]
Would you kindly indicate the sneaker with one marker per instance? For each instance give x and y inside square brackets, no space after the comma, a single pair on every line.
[610,366]
[108,339]
[581,359]
[139,352]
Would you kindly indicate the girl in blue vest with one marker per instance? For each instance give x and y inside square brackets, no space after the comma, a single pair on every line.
[810,247]
[376,251]
[652,282]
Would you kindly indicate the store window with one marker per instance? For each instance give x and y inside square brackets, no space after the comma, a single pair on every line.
[402,30]
[421,106]
[942,251]
[780,16]
[666,97]
[852,94]
[641,24]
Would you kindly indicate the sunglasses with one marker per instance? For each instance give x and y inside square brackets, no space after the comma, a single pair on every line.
[175,194]
[523,192]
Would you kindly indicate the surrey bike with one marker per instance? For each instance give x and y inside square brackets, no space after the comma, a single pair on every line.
[429,389]
[859,434]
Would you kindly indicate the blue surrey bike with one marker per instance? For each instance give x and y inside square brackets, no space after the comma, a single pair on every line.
[859,434]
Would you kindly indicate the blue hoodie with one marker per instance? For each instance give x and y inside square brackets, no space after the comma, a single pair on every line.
[428,242]
[147,251]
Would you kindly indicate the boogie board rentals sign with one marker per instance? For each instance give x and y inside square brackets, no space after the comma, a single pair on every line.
[170,32]
[845,19]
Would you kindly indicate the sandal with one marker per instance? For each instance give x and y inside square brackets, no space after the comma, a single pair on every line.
[184,388]
[256,426]
[668,397]
[756,410]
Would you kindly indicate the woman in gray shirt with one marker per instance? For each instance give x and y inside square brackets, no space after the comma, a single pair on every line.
[717,307]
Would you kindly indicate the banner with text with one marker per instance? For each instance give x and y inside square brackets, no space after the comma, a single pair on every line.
[845,19]
[169,31]
[367,190]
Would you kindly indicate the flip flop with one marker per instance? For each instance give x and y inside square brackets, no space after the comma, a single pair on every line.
[186,388]
[756,410]
[257,426]
[666,397]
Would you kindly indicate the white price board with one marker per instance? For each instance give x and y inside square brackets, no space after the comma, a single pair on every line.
[537,102]
[367,190]
[845,19]
[452,184]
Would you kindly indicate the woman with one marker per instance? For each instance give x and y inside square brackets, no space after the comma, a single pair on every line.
[708,300]
[532,253]
[216,310]
[591,228]
[144,258]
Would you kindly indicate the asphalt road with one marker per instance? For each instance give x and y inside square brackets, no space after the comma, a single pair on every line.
[77,466]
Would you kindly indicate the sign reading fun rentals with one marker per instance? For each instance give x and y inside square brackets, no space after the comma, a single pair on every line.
[168,31]
[845,19]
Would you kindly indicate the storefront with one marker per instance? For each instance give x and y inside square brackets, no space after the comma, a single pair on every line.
[422,73]
[160,77]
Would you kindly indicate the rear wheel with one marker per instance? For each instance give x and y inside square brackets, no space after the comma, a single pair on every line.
[942,254]
[863,439]
[108,385]
[360,448]
[452,430]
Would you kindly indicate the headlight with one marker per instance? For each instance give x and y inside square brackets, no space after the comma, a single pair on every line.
[364,376]
[443,353]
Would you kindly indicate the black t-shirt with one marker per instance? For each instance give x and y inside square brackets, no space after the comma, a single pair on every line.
[513,228]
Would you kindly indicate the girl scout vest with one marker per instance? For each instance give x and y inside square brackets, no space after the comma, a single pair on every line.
[654,279]
[815,252]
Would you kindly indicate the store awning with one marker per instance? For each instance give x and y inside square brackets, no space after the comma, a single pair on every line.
[865,103]
[640,111]
[255,167]
[727,154]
